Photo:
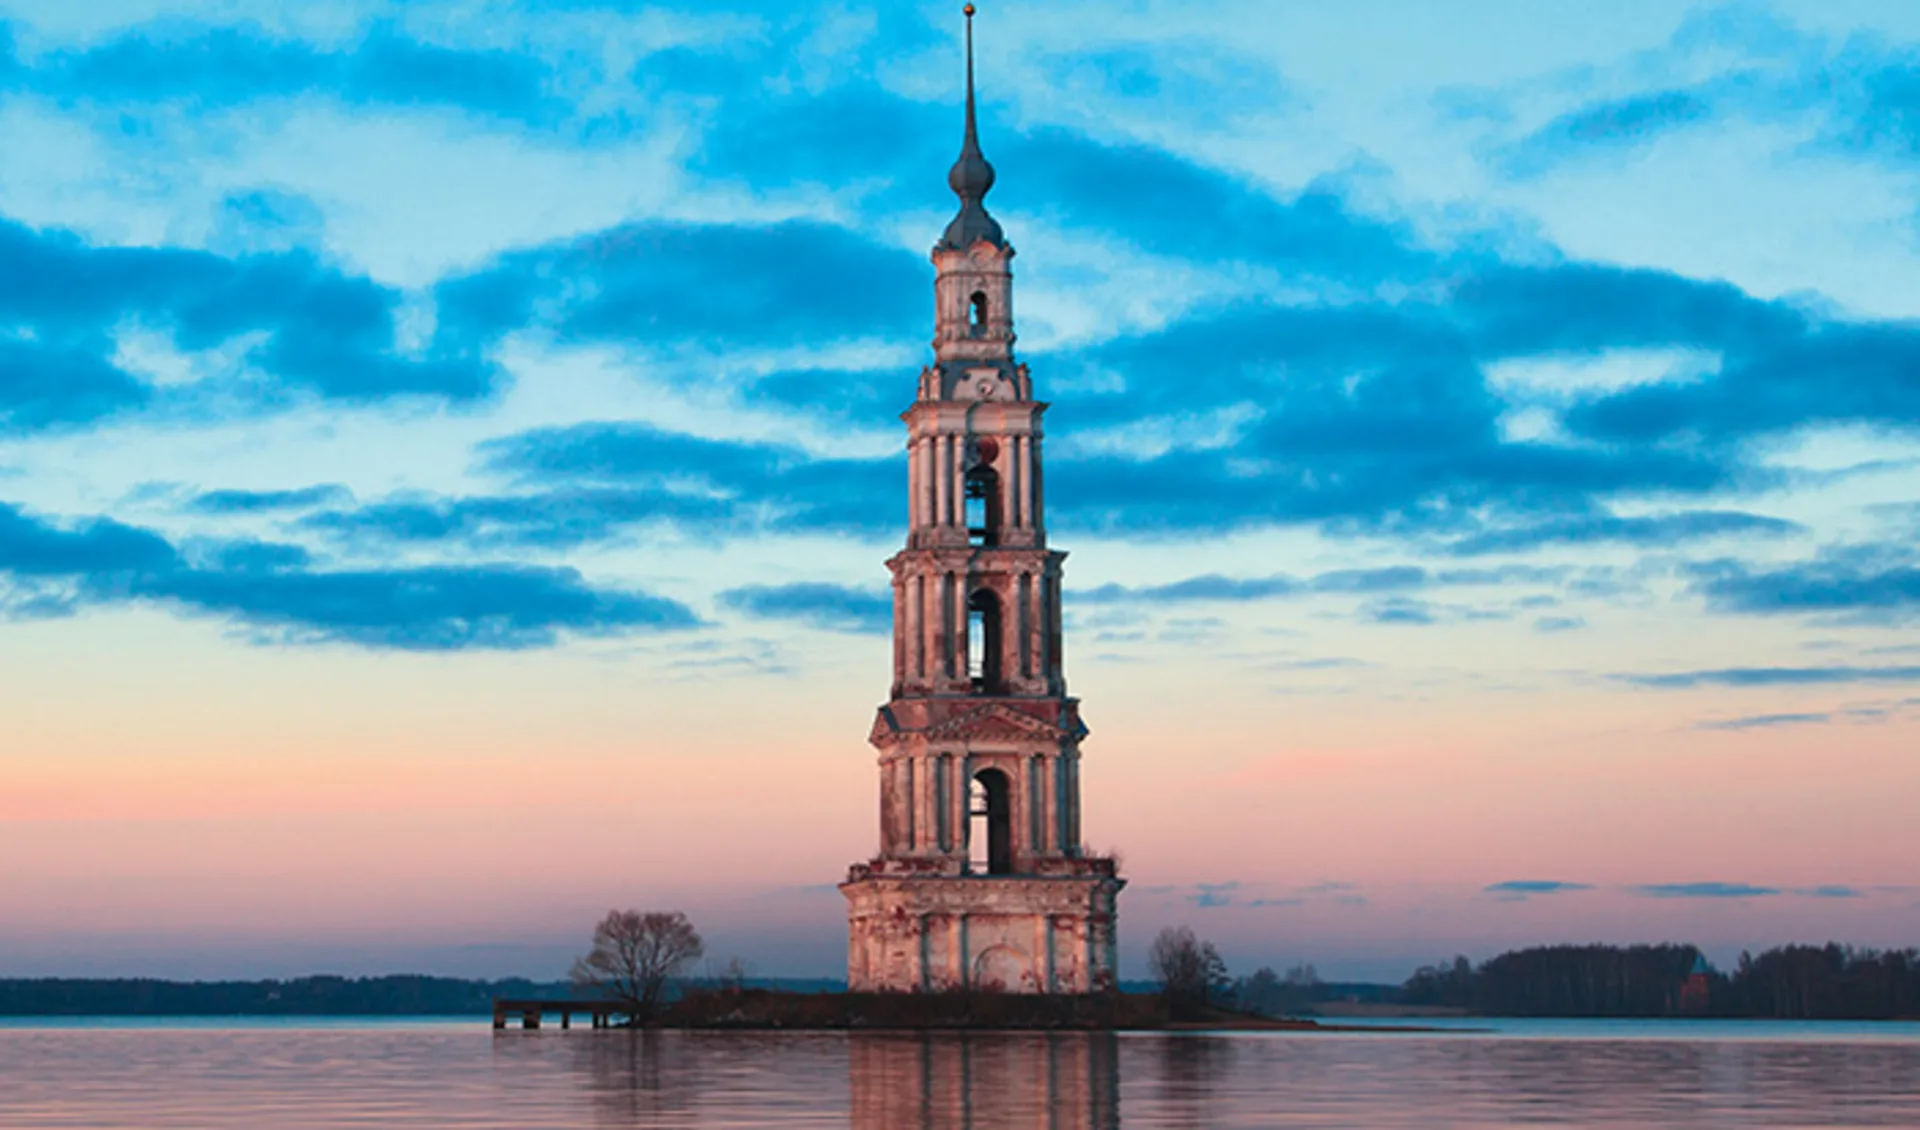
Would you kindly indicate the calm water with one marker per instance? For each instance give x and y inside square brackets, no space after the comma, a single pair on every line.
[464,1076]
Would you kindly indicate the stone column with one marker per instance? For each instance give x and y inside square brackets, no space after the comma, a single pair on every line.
[942,807]
[1026,483]
[1023,621]
[929,481]
[946,637]
[1017,482]
[958,491]
[1049,805]
[904,797]
[913,484]
[1071,771]
[909,629]
[958,798]
[902,630]
[942,504]
[957,628]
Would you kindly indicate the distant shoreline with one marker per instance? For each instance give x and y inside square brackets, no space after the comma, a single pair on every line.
[419,997]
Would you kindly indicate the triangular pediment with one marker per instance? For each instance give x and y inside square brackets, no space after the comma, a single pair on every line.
[995,721]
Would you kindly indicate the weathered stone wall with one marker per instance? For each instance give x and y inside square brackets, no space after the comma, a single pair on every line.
[1015,934]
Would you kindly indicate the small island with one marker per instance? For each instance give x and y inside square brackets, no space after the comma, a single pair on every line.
[774,1009]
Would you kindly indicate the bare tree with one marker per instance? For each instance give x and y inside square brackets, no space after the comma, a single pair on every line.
[1261,993]
[729,976]
[1190,971]
[635,954]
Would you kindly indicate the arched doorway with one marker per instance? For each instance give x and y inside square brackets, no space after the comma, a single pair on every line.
[990,823]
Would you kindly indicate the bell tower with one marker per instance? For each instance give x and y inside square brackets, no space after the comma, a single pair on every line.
[981,881]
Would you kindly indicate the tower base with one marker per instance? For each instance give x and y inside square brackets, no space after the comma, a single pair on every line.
[985,933]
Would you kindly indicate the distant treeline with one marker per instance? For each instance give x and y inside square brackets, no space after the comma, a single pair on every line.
[1831,982]
[302,996]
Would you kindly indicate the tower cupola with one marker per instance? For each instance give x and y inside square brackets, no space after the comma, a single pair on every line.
[971,177]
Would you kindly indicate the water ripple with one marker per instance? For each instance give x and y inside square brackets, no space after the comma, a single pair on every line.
[469,1078]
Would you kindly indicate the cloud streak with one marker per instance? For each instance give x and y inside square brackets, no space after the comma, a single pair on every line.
[1773,677]
[276,596]
[830,607]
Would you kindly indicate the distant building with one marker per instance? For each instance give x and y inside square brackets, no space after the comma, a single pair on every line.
[981,881]
[1696,992]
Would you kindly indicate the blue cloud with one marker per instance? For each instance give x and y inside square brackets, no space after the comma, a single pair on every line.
[257,501]
[1387,579]
[324,332]
[1209,896]
[1171,75]
[1393,578]
[1705,891]
[1553,624]
[227,66]
[45,387]
[429,608]
[1523,887]
[1770,383]
[831,607]
[661,283]
[548,519]
[271,590]
[1766,722]
[777,486]
[1883,580]
[1774,677]
[1606,127]
[1367,418]
[1829,891]
[30,547]
[266,219]
[849,137]
[1170,206]
[1649,530]
[1401,611]
[1210,587]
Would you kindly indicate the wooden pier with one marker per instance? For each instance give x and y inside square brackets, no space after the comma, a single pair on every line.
[530,1012]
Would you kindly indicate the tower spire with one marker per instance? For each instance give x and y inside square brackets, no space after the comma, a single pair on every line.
[972,143]
[971,177]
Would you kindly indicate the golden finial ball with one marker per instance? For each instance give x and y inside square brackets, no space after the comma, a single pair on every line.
[968,9]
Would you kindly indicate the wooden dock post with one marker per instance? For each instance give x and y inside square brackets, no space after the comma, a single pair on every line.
[530,1012]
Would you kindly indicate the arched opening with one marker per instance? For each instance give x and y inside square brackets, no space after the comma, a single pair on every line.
[990,824]
[977,314]
[983,641]
[983,506]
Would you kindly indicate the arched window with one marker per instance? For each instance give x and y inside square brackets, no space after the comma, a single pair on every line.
[983,506]
[983,641]
[977,314]
[990,824]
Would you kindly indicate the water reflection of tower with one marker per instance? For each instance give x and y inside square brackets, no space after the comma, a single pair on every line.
[949,1081]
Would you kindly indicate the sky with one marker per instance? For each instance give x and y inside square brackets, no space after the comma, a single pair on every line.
[448,453]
